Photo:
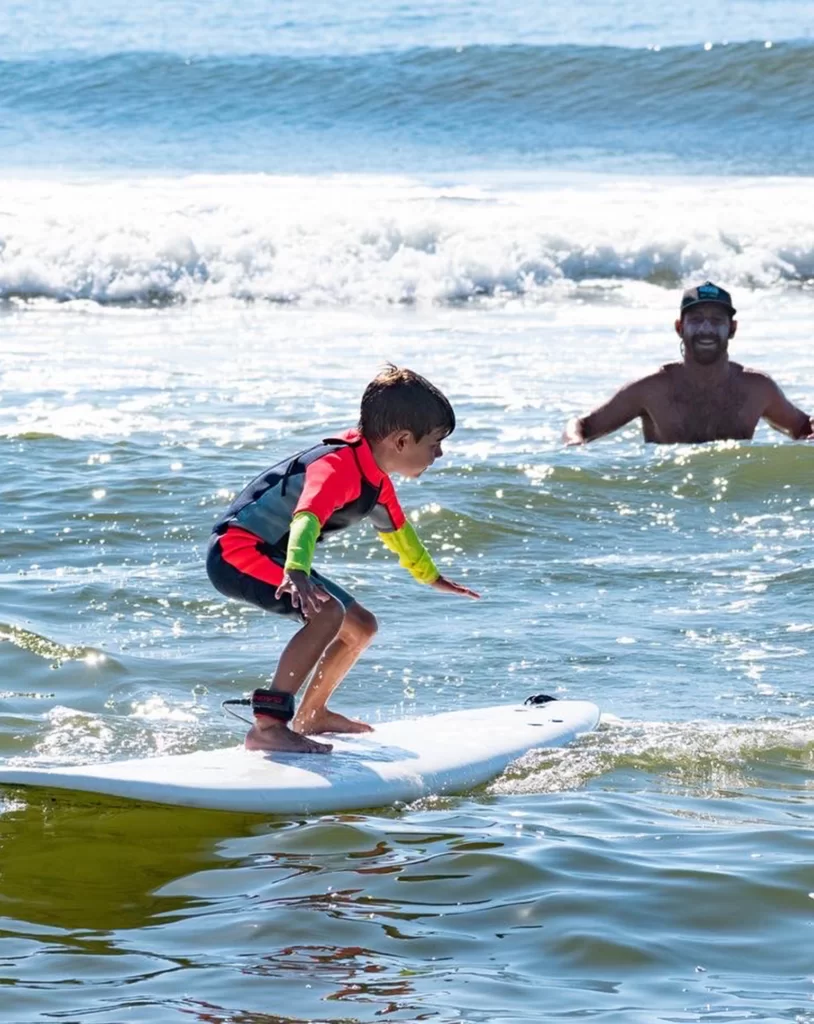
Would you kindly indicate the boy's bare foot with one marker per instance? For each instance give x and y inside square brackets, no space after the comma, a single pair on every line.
[329,721]
[284,740]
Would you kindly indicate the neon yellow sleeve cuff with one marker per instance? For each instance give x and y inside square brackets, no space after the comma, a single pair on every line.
[412,554]
[302,539]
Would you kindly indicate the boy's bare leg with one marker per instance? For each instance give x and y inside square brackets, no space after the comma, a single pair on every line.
[303,651]
[358,629]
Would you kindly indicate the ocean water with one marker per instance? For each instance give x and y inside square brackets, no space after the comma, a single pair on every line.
[216,224]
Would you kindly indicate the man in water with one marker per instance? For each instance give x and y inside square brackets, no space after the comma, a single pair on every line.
[704,398]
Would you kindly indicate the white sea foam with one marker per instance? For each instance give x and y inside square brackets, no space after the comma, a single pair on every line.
[364,241]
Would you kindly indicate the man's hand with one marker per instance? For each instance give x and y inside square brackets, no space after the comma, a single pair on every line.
[448,587]
[573,432]
[305,594]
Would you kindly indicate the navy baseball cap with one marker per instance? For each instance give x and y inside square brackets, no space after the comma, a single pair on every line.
[707,292]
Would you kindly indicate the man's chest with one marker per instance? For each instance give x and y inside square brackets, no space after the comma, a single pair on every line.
[691,414]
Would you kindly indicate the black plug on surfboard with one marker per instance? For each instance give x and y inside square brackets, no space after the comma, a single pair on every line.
[536,699]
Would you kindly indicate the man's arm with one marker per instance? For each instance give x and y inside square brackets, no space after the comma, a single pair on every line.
[782,415]
[624,406]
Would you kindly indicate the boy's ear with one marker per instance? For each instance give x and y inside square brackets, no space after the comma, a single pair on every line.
[400,438]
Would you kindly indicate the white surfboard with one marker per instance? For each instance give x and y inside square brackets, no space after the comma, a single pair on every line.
[402,760]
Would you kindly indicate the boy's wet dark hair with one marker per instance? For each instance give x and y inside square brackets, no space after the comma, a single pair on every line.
[399,399]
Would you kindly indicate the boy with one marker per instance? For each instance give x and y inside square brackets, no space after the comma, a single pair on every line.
[262,548]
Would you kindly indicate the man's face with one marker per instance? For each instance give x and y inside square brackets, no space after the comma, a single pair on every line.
[705,330]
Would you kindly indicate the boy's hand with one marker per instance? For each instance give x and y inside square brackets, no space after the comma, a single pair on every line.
[305,594]
[448,587]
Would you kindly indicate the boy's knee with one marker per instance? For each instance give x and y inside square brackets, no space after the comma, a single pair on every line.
[331,616]
[362,622]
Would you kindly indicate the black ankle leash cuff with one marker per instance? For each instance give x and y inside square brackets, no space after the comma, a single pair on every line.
[275,703]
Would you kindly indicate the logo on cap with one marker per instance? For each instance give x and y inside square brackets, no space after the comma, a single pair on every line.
[707,292]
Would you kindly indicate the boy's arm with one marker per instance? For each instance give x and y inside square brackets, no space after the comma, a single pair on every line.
[302,539]
[412,554]
[329,483]
[296,581]
[397,534]
[416,560]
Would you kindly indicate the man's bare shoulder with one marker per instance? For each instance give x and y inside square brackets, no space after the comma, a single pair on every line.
[675,373]
[660,379]
[641,386]
[755,380]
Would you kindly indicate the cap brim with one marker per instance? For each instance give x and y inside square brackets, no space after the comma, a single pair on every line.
[701,302]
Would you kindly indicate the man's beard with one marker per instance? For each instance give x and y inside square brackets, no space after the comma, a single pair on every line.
[706,355]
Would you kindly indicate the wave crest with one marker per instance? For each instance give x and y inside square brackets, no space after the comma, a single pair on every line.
[374,241]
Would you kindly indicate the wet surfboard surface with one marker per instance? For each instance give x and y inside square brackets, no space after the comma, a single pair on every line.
[401,760]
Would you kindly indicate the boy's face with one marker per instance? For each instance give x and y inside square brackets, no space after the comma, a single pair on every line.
[410,457]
